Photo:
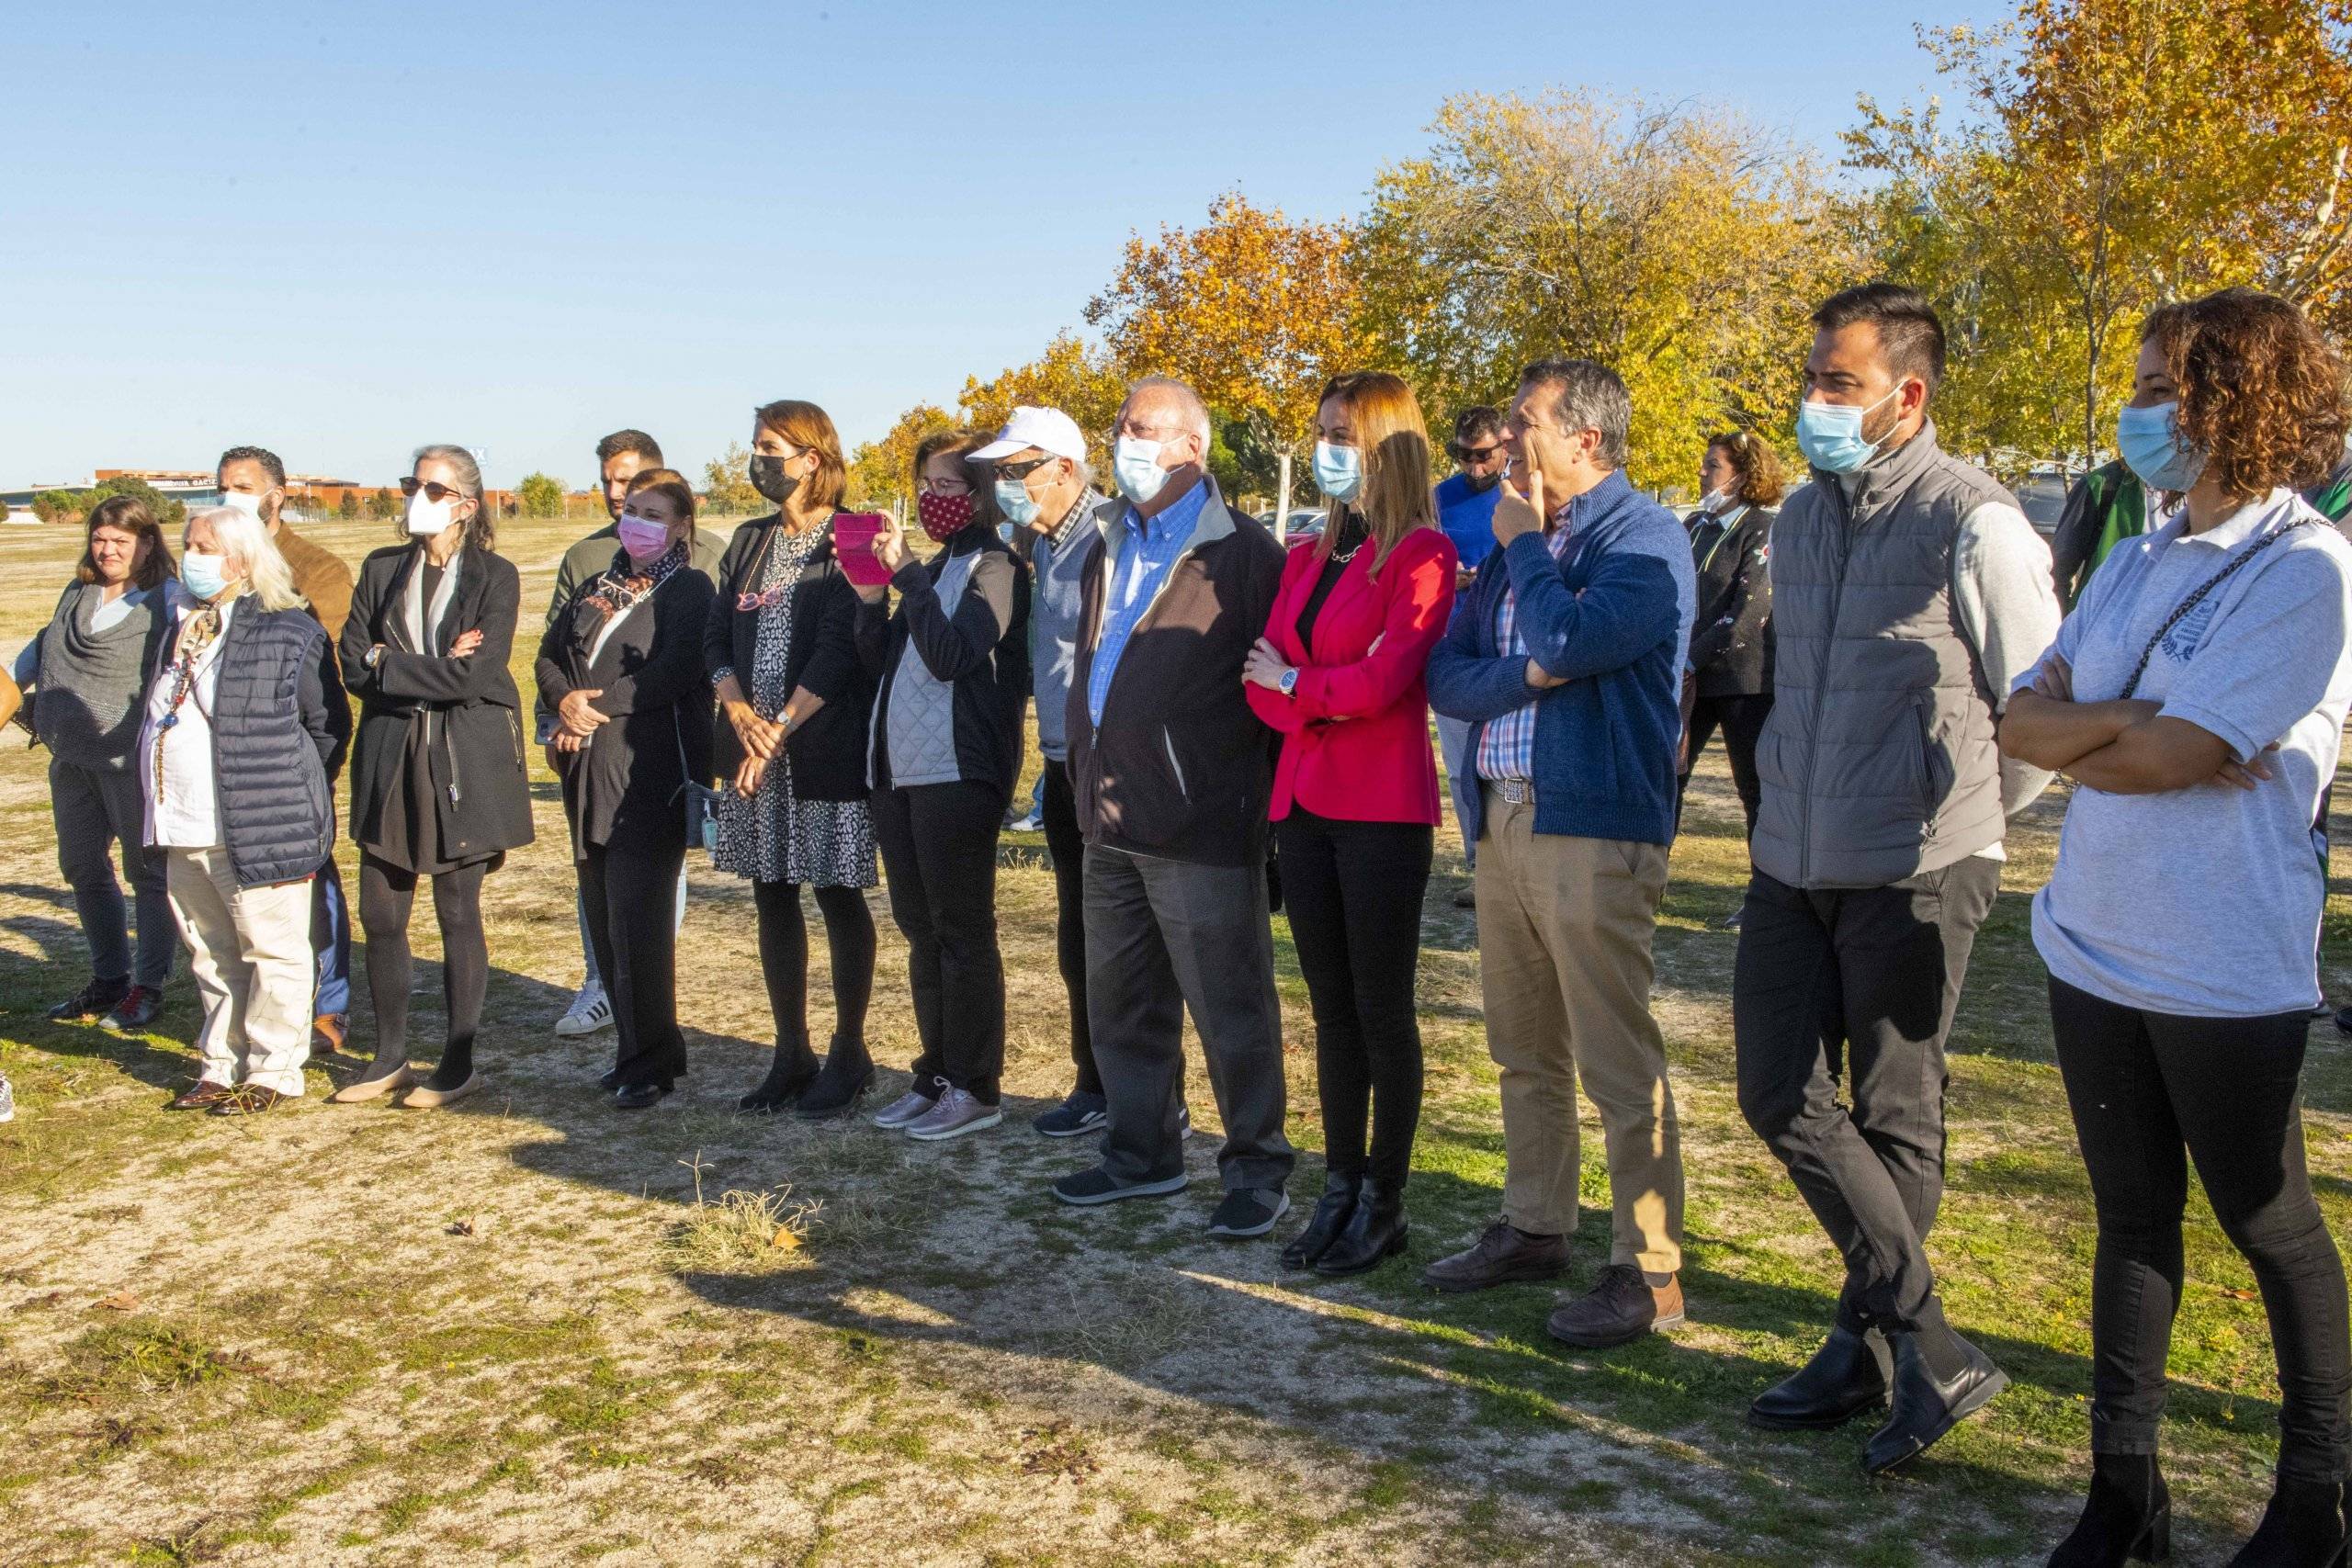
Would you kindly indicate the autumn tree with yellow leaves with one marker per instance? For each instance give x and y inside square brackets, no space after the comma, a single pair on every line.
[881,472]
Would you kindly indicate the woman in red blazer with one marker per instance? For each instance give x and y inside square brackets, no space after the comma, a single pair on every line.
[1355,802]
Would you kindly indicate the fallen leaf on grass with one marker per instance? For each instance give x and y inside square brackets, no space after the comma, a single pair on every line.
[2237,1295]
[122,1300]
[461,1227]
[785,1239]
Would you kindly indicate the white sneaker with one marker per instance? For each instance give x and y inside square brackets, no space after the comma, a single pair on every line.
[955,1114]
[908,1107]
[591,1009]
[8,1100]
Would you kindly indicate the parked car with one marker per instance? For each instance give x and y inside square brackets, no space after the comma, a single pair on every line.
[2042,495]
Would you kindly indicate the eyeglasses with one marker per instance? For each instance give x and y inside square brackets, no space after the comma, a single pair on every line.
[435,491]
[1021,470]
[1461,454]
[929,486]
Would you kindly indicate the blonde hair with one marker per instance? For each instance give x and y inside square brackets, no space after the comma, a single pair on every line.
[1394,440]
[244,538]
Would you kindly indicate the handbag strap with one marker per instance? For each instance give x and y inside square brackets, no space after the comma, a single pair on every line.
[2180,610]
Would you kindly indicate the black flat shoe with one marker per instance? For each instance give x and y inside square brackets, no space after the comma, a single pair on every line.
[1847,1376]
[1323,1225]
[1374,1234]
[840,1084]
[637,1096]
[1926,1406]
[2128,1518]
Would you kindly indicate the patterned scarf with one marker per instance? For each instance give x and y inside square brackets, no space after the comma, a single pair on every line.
[619,591]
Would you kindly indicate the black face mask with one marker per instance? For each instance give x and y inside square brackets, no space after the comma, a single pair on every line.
[1480,486]
[770,480]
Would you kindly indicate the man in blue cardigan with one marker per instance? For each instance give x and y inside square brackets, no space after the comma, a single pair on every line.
[1566,659]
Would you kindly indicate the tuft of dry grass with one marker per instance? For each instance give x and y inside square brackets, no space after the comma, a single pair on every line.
[742,1233]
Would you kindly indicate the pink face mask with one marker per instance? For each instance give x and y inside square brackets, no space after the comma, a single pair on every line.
[644,541]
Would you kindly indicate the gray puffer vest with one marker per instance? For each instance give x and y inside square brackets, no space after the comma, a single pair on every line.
[1878,762]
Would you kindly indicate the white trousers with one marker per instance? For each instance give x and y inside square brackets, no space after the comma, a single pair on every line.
[250,951]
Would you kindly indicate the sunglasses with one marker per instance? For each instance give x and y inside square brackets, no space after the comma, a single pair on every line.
[435,491]
[1020,470]
[1461,454]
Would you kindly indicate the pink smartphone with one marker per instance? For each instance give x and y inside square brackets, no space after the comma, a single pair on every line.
[853,533]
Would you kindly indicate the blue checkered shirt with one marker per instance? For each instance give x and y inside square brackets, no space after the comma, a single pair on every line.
[1152,546]
[1506,746]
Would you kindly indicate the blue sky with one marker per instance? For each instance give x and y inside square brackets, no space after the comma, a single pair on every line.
[342,232]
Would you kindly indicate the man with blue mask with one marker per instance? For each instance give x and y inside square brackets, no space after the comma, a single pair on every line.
[1043,486]
[1170,772]
[1909,594]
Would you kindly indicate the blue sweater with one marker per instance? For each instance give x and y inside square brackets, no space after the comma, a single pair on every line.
[1612,617]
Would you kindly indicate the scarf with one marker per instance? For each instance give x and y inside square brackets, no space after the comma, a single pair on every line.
[621,589]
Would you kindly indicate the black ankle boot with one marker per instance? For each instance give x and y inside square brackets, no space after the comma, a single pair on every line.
[847,1072]
[1375,1231]
[789,1075]
[1940,1380]
[1323,1225]
[1845,1377]
[2303,1527]
[2128,1518]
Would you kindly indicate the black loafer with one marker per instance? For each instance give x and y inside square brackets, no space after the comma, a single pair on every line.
[637,1096]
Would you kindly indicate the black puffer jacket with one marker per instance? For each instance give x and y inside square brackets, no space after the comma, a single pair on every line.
[279,726]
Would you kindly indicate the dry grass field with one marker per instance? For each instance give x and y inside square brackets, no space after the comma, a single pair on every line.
[535,1330]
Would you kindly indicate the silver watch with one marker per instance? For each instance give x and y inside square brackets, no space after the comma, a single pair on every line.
[1288,684]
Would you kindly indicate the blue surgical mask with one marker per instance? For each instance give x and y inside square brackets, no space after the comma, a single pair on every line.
[204,576]
[1338,471]
[1012,499]
[1135,463]
[2149,442]
[1830,434]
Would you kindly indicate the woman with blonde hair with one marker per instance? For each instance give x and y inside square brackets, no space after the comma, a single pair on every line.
[1355,797]
[244,722]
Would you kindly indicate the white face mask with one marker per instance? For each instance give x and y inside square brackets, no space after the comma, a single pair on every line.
[1134,464]
[426,518]
[1715,502]
[239,500]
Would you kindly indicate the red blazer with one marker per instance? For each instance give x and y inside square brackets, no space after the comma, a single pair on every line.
[1356,732]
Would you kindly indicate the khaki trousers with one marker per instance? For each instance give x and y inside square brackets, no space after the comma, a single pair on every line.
[250,951]
[1564,956]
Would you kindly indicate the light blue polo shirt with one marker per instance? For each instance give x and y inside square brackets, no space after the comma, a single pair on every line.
[2205,902]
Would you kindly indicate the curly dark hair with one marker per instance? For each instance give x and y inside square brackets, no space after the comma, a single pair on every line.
[1758,466]
[2262,392]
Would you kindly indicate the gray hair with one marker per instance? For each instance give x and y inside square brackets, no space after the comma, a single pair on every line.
[244,539]
[480,531]
[1591,397]
[1192,415]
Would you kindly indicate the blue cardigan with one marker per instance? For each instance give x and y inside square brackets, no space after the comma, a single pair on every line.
[1612,616]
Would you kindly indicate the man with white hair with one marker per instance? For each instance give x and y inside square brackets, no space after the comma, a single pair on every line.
[1042,486]
[1169,771]
[245,722]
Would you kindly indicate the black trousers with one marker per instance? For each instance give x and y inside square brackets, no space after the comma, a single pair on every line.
[626,890]
[1741,719]
[1354,891]
[2150,1092]
[1860,984]
[938,844]
[1068,848]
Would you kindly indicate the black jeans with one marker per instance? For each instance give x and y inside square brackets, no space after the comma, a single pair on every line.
[2150,1091]
[626,889]
[387,894]
[1860,983]
[784,957]
[1068,848]
[1163,936]
[1354,891]
[1742,721]
[938,844]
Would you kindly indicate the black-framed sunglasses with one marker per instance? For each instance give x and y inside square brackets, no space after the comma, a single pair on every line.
[1460,454]
[1021,470]
[435,491]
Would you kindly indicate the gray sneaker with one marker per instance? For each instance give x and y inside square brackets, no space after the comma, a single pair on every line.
[909,1105]
[8,1100]
[955,1114]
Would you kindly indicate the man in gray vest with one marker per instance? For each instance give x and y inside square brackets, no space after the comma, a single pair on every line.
[1909,593]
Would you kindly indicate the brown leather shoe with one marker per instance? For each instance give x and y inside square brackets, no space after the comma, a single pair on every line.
[1504,1253]
[1620,1307]
[203,1096]
[250,1100]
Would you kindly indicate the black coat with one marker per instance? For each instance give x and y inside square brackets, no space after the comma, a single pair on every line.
[1731,648]
[628,785]
[982,651]
[482,793]
[279,726]
[826,755]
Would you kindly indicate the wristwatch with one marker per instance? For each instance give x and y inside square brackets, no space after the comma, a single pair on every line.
[1288,684]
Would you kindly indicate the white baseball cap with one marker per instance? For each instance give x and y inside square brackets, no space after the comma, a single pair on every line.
[1050,431]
